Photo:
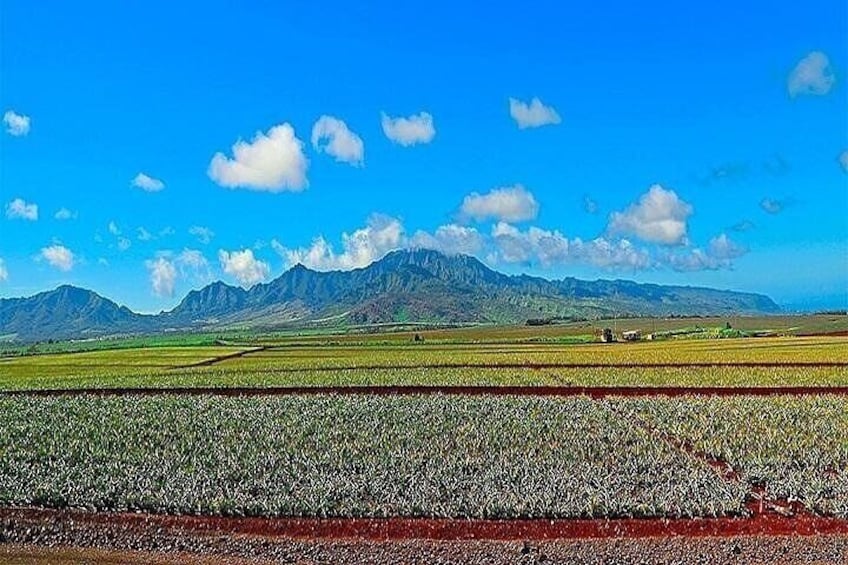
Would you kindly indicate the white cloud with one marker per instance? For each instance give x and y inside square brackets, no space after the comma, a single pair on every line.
[812,75]
[123,243]
[532,115]
[515,246]
[772,205]
[509,204]
[613,254]
[203,234]
[722,248]
[4,273]
[590,205]
[417,128]
[163,276]
[360,248]
[144,235]
[16,124]
[533,245]
[659,217]
[166,270]
[243,266]
[18,209]
[58,256]
[193,264]
[450,239]
[332,136]
[192,258]
[719,255]
[843,160]
[65,214]
[743,226]
[690,260]
[536,245]
[272,162]
[147,183]
[508,244]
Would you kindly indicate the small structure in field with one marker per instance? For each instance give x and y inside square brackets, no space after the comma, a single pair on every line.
[607,336]
[632,335]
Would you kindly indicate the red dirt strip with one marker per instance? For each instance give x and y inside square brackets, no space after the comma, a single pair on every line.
[450,529]
[723,468]
[219,358]
[525,365]
[488,390]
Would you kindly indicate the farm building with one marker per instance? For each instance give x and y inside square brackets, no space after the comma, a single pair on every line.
[632,335]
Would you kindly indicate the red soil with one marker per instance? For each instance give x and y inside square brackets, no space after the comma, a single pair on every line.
[524,365]
[219,358]
[493,390]
[724,469]
[453,529]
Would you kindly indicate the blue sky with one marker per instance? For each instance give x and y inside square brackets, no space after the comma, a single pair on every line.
[674,144]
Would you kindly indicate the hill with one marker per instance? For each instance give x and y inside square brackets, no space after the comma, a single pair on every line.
[409,285]
[68,312]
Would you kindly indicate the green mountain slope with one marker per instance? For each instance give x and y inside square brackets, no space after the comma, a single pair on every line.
[409,285]
[68,312]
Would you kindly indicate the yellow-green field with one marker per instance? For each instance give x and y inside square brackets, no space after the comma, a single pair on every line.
[778,361]
[806,325]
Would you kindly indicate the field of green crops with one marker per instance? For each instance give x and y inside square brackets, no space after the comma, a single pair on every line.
[476,457]
[791,325]
[491,376]
[391,335]
[504,364]
[772,350]
[497,457]
[796,447]
[426,455]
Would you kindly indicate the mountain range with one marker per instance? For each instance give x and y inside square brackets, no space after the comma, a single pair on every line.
[403,286]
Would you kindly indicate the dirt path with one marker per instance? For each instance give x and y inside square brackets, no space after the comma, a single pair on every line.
[197,550]
[53,536]
[757,501]
[219,358]
[206,550]
[376,529]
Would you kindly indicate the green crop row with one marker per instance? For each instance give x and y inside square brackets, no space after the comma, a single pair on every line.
[761,350]
[220,376]
[226,375]
[770,350]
